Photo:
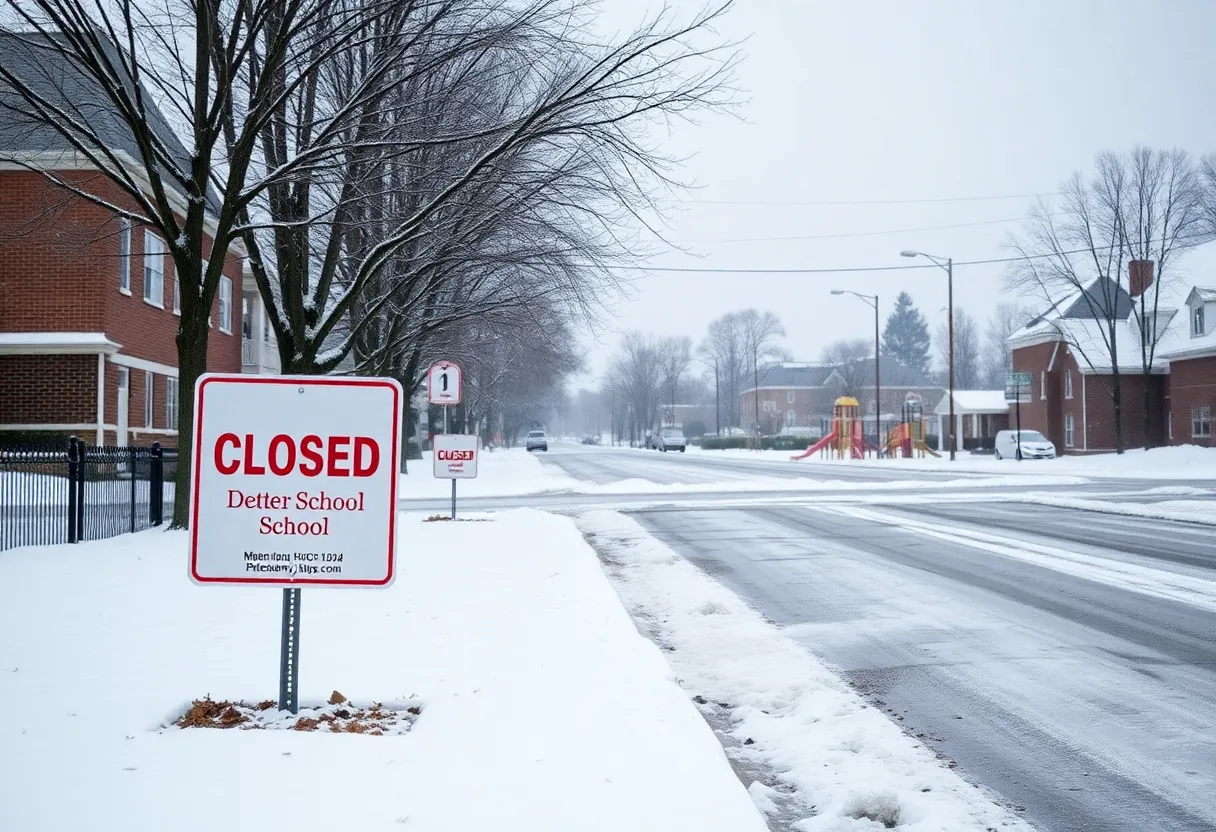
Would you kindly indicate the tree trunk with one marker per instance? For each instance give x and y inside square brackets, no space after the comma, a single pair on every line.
[1116,390]
[191,363]
[1148,409]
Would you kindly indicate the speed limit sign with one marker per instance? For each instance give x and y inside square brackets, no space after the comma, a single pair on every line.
[443,383]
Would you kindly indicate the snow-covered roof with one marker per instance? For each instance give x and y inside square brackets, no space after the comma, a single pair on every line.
[61,342]
[1094,300]
[1090,341]
[1180,344]
[974,401]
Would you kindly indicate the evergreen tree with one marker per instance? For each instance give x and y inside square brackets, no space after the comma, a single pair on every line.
[906,336]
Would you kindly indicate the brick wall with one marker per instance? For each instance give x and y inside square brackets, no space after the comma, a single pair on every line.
[48,389]
[59,272]
[1192,384]
[1045,410]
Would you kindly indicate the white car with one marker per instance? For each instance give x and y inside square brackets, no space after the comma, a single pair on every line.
[1034,445]
[536,441]
[671,439]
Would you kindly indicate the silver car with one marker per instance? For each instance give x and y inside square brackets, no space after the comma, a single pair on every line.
[671,439]
[536,441]
[1033,444]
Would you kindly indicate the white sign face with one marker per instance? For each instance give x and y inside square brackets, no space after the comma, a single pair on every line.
[295,480]
[456,456]
[443,383]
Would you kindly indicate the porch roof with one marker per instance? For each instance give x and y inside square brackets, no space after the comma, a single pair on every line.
[968,402]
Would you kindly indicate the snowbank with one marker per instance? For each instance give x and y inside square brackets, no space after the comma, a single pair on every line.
[786,711]
[500,473]
[1187,511]
[542,708]
[1178,462]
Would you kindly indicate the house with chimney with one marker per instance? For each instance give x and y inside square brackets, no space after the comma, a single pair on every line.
[1075,347]
[89,300]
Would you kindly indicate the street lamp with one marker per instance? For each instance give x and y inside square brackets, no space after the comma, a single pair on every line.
[873,301]
[949,267]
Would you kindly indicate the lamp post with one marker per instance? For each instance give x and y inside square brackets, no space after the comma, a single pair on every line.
[949,267]
[873,301]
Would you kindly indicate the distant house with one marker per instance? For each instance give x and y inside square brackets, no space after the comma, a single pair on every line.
[89,301]
[794,395]
[1065,349]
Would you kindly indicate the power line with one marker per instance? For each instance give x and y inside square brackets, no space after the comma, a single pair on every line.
[851,269]
[865,201]
[854,233]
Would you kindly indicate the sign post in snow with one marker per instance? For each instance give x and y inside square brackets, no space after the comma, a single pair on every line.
[455,459]
[1017,386]
[295,484]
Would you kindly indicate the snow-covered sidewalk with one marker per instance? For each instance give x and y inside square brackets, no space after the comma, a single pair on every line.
[825,747]
[542,708]
[500,473]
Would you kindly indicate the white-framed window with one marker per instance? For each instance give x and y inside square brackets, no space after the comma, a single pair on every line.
[171,403]
[1043,384]
[124,256]
[1169,424]
[226,304]
[1201,423]
[177,293]
[154,270]
[124,381]
[148,399]
[1069,430]
[246,320]
[1197,320]
[768,406]
[791,418]
[1068,384]
[790,397]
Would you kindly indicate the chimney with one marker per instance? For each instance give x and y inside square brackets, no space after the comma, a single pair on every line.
[1139,277]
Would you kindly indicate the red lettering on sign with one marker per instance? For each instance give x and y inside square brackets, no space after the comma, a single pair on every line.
[334,456]
[455,456]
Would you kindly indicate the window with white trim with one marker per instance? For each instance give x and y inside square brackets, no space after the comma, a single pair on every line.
[790,397]
[177,293]
[246,320]
[1201,423]
[1068,384]
[1197,322]
[171,403]
[148,399]
[791,418]
[124,256]
[226,304]
[1069,430]
[768,406]
[1043,384]
[154,270]
[1169,423]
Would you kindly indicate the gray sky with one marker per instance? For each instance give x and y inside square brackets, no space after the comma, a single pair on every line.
[892,100]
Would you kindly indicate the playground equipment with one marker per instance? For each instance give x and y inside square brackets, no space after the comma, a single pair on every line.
[908,437]
[846,434]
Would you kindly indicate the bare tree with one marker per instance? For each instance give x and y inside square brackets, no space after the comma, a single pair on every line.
[848,359]
[760,333]
[675,354]
[967,352]
[637,375]
[1144,205]
[997,359]
[725,347]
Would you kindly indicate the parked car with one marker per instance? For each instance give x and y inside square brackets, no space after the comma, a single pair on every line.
[671,439]
[1034,445]
[590,440]
[536,441]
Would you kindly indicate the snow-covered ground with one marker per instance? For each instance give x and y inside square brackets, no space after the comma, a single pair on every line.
[500,473]
[1174,463]
[542,708]
[1188,511]
[786,712]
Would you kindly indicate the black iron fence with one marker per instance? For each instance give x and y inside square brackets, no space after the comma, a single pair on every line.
[66,492]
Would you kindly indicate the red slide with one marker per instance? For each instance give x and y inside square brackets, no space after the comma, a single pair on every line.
[818,446]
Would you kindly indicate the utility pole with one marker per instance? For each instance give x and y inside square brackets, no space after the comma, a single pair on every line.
[717,402]
[950,312]
[877,387]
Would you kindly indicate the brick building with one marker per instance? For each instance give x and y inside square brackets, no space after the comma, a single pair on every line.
[796,396]
[1067,352]
[88,299]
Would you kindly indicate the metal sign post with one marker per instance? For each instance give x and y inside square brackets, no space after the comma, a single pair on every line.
[456,459]
[289,653]
[1015,385]
[295,484]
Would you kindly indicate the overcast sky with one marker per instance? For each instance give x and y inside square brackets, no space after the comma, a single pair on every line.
[893,100]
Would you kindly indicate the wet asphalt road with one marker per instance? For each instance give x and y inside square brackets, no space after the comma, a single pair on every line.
[1085,696]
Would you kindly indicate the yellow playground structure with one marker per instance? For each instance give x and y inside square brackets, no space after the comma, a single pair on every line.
[908,437]
[845,439]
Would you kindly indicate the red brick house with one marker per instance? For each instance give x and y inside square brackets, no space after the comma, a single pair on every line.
[88,300]
[1066,351]
[796,396]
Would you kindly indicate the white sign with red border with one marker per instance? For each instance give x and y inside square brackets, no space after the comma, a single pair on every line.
[443,383]
[456,456]
[295,480]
